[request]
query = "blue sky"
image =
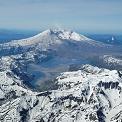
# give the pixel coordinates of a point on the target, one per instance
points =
(85, 15)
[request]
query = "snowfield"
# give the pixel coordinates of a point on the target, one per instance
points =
(87, 95)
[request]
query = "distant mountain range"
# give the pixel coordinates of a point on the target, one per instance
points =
(115, 39)
(8, 35)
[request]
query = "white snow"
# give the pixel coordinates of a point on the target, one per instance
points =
(111, 59)
(50, 37)
(77, 98)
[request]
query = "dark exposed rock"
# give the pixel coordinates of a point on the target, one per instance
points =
(24, 115)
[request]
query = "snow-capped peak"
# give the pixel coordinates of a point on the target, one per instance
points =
(69, 35)
(50, 35)
(51, 39)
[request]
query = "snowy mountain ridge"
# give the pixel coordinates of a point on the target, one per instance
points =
(111, 59)
(88, 95)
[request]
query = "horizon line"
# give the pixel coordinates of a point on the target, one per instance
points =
(77, 30)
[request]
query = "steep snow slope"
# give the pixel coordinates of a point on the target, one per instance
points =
(87, 95)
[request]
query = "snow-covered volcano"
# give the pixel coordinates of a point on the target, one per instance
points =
(51, 39)
(50, 36)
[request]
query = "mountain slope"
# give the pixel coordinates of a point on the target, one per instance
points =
(48, 35)
(50, 39)
(46, 55)
(48, 61)
(90, 94)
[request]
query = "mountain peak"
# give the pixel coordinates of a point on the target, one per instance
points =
(50, 38)
(48, 35)
(68, 34)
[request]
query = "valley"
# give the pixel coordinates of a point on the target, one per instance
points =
(60, 76)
